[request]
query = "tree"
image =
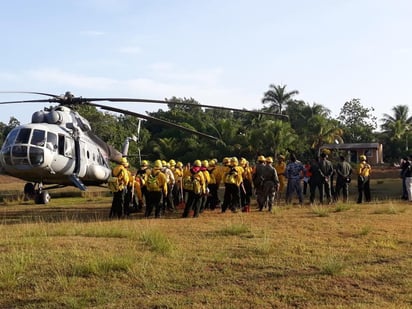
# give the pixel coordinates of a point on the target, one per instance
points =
(277, 97)
(357, 122)
(398, 125)
(326, 131)
(396, 131)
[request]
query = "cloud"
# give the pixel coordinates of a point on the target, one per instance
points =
(59, 77)
(204, 86)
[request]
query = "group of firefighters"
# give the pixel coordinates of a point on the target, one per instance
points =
(164, 186)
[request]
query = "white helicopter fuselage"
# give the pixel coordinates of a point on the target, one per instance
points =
(44, 152)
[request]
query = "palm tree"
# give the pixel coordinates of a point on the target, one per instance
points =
(325, 131)
(278, 97)
(399, 125)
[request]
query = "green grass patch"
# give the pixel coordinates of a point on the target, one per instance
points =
(234, 229)
(320, 211)
(157, 242)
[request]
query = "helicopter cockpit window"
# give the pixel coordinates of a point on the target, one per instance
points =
(52, 140)
(10, 138)
(38, 137)
(23, 137)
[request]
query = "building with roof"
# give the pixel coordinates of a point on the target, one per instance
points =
(352, 151)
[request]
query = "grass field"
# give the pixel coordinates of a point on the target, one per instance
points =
(69, 255)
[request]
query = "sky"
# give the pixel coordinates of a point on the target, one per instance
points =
(218, 52)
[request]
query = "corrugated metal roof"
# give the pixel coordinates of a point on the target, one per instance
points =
(351, 146)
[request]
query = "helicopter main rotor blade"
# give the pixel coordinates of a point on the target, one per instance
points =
(32, 92)
(69, 99)
(152, 119)
(30, 101)
(184, 103)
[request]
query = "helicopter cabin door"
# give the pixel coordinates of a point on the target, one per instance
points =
(81, 158)
(70, 154)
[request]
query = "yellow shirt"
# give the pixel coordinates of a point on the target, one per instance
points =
(122, 174)
(364, 169)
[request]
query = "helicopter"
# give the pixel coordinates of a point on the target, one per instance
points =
(58, 148)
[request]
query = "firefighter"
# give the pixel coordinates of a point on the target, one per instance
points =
(246, 186)
(206, 176)
(156, 186)
(142, 174)
(280, 167)
(120, 172)
(232, 179)
(194, 183)
(213, 185)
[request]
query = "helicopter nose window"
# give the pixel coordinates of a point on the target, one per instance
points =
(10, 138)
(23, 137)
(38, 137)
(36, 156)
(19, 155)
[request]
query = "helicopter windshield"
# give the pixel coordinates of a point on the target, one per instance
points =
(38, 138)
(10, 138)
(18, 151)
(23, 137)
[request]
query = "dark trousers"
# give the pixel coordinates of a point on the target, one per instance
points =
(231, 198)
(153, 201)
(213, 197)
(364, 189)
(342, 185)
(193, 202)
(245, 192)
(313, 185)
(294, 185)
(117, 204)
(168, 202)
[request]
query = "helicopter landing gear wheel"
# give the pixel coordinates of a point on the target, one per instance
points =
(42, 197)
(29, 191)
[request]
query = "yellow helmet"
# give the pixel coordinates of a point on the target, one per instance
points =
(145, 163)
(212, 162)
(197, 163)
(124, 162)
(225, 160)
(205, 163)
(362, 157)
(234, 161)
(158, 164)
(172, 162)
(269, 159)
(179, 164)
(243, 161)
(281, 157)
(261, 158)
(164, 163)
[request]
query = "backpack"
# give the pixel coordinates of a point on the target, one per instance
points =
(231, 176)
(197, 186)
(212, 180)
(192, 183)
(188, 183)
(152, 184)
(113, 184)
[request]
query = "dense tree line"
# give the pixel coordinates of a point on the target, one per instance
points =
(243, 134)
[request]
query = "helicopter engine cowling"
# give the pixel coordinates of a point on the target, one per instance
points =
(98, 172)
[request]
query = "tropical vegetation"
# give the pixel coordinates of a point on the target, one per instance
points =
(300, 127)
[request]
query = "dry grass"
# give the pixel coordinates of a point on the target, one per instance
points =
(69, 255)
(293, 258)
